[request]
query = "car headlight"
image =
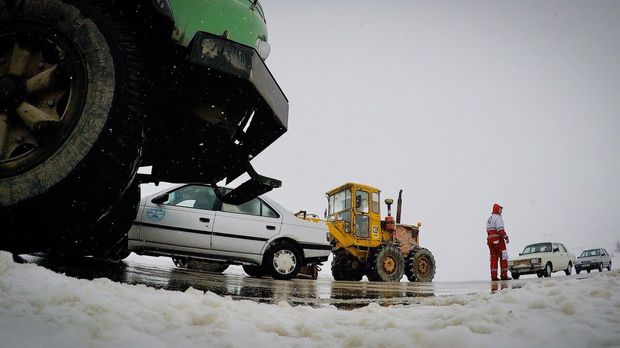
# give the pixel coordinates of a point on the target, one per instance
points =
(511, 263)
(535, 261)
(263, 48)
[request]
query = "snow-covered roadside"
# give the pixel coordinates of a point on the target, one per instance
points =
(41, 308)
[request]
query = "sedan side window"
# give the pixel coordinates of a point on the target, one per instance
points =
(192, 196)
(254, 207)
(249, 208)
(266, 211)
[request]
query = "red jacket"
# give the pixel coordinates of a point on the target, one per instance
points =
(495, 224)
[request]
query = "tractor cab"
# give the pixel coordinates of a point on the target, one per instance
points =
(357, 208)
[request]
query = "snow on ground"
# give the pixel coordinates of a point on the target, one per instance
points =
(41, 308)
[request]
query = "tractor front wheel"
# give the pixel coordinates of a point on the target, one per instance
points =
(347, 267)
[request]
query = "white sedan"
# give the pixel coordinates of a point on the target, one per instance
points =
(593, 259)
(190, 224)
(542, 259)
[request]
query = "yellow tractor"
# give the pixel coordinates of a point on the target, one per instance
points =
(363, 244)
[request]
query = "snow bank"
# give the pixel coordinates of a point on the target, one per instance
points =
(42, 308)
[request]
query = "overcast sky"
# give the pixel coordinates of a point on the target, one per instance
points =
(460, 104)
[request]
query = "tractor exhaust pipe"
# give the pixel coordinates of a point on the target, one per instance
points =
(399, 205)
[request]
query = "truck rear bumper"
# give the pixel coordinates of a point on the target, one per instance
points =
(242, 62)
(221, 108)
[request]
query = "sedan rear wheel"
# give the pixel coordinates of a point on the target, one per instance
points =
(254, 271)
(600, 267)
(609, 266)
(180, 262)
(515, 275)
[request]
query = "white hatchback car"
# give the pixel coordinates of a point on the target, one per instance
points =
(542, 259)
(190, 224)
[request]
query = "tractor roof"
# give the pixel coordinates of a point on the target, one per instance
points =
(352, 185)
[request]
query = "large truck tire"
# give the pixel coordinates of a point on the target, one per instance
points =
(109, 236)
(72, 92)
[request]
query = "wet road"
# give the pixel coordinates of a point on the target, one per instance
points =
(316, 293)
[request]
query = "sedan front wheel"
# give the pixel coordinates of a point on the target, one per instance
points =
(569, 269)
(548, 270)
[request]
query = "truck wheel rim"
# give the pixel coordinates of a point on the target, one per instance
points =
(42, 92)
(284, 261)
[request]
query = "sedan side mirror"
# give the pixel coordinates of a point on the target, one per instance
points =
(520, 254)
(160, 199)
(556, 250)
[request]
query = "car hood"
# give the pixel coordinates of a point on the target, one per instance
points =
(530, 256)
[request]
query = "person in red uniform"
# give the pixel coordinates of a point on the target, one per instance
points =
(497, 240)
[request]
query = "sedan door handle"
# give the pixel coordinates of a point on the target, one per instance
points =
(270, 227)
(205, 219)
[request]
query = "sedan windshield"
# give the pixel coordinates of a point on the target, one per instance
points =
(588, 253)
(537, 248)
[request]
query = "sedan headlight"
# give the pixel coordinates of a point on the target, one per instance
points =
(536, 261)
(511, 263)
(263, 48)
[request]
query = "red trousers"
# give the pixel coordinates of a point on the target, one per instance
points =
(497, 249)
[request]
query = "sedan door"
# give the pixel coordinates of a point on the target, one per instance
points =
(245, 228)
(562, 256)
(182, 221)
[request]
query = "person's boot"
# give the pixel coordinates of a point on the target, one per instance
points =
(494, 278)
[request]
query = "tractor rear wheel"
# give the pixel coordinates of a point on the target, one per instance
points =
(347, 267)
(420, 265)
(386, 264)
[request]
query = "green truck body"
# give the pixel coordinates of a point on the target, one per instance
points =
(91, 90)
